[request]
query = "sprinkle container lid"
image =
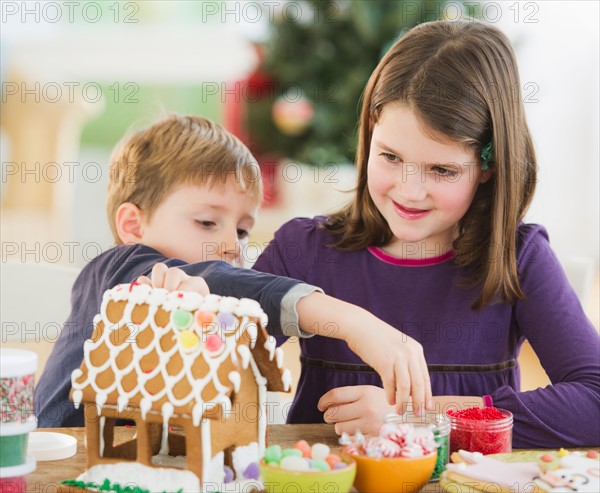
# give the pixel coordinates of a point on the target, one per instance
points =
(20, 470)
(17, 428)
(17, 362)
(45, 445)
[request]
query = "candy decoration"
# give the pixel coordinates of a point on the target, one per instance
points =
(592, 454)
(332, 460)
(302, 457)
(273, 454)
(546, 458)
(320, 465)
(320, 451)
(252, 472)
(228, 474)
(181, 319)
(226, 321)
(304, 447)
(414, 443)
(204, 318)
(213, 343)
(188, 340)
(291, 452)
(294, 463)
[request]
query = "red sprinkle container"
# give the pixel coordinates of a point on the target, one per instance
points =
(485, 430)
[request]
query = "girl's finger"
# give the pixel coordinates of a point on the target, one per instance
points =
(341, 413)
(159, 272)
(417, 388)
(144, 280)
(390, 383)
(427, 380)
(337, 396)
(402, 388)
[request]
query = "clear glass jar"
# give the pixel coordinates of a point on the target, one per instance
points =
(440, 425)
(485, 436)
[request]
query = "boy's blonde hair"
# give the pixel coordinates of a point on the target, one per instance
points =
(146, 166)
(462, 82)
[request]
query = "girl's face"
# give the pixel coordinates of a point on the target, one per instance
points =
(421, 186)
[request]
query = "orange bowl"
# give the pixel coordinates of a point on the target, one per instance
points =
(392, 475)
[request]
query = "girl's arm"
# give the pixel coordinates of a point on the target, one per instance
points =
(566, 413)
(397, 358)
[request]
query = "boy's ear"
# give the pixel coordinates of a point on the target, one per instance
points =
(129, 223)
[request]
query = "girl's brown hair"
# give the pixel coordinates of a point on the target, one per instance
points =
(146, 166)
(461, 80)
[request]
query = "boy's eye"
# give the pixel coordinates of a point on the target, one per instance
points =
(390, 158)
(440, 170)
(242, 233)
(206, 224)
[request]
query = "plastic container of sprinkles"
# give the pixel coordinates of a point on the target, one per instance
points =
(440, 425)
(485, 430)
(12, 479)
(17, 378)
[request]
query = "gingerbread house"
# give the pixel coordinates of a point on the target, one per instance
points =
(192, 372)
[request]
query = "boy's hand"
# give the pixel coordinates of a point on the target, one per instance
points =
(358, 407)
(174, 279)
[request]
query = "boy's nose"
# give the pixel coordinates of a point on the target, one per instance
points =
(231, 248)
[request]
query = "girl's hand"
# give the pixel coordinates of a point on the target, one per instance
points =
(359, 407)
(397, 358)
(174, 279)
(399, 361)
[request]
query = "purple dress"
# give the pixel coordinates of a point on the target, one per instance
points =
(468, 352)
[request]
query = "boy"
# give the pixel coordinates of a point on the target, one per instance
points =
(185, 193)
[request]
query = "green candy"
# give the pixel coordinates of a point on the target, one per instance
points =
(291, 451)
(181, 319)
(320, 465)
(273, 454)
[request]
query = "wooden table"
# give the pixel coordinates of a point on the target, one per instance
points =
(48, 474)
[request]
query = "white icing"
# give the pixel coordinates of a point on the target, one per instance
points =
(279, 357)
(244, 353)
(77, 396)
(167, 412)
(235, 379)
(286, 379)
(271, 345)
(154, 479)
(122, 403)
(101, 441)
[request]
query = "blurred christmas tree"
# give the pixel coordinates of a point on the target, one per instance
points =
(315, 67)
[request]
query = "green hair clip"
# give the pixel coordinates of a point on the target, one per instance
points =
(487, 156)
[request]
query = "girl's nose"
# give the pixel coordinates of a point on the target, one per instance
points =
(411, 183)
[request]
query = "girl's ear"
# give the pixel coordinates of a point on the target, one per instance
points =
(486, 175)
(129, 223)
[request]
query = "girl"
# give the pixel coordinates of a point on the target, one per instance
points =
(433, 244)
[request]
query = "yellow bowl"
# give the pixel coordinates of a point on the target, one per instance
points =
(392, 475)
(278, 480)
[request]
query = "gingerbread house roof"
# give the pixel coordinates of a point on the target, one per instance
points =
(175, 352)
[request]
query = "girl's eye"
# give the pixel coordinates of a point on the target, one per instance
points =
(390, 158)
(206, 224)
(242, 233)
(441, 171)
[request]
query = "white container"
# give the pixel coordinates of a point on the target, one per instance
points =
(17, 379)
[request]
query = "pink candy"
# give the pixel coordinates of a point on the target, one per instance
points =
(394, 440)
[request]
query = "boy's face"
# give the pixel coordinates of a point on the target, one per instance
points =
(197, 223)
